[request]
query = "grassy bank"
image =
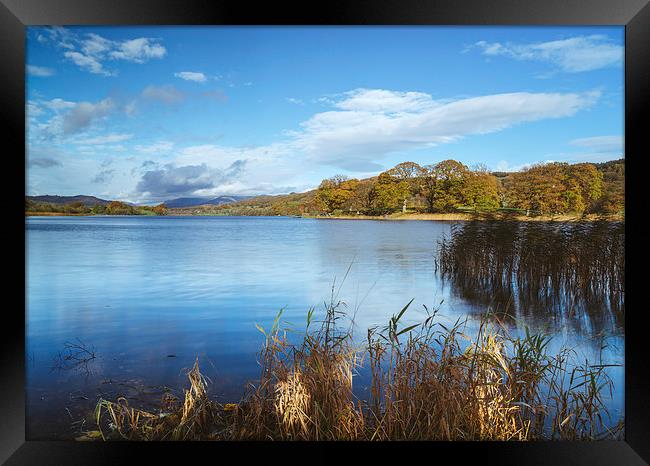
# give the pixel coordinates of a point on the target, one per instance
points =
(428, 382)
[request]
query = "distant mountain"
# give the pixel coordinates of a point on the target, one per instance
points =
(87, 200)
(194, 201)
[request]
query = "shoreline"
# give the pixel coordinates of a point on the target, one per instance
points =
(477, 216)
(450, 217)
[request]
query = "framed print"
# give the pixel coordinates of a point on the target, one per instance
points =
(378, 226)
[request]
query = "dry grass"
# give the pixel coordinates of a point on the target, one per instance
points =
(428, 382)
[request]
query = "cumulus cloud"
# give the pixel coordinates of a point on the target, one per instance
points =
(173, 180)
(167, 94)
(572, 55)
(39, 71)
(371, 123)
(91, 51)
(138, 50)
(83, 114)
(191, 76)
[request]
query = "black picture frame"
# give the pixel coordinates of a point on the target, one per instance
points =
(16, 14)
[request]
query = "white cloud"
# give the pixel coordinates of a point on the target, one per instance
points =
(106, 139)
(601, 143)
(57, 105)
(160, 147)
(95, 45)
(373, 123)
(573, 55)
(380, 100)
(191, 76)
(292, 100)
(91, 51)
(504, 166)
(138, 50)
(88, 63)
(39, 71)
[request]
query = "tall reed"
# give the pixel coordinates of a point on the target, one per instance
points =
(427, 382)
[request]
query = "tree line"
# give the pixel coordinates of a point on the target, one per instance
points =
(79, 208)
(450, 186)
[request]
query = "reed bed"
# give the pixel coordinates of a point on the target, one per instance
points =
(574, 270)
(428, 382)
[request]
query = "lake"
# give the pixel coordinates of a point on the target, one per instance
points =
(148, 295)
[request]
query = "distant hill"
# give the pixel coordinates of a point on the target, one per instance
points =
(195, 201)
(86, 200)
(265, 205)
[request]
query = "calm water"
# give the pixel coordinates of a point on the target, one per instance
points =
(150, 294)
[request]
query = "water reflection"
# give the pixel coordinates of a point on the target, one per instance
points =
(572, 273)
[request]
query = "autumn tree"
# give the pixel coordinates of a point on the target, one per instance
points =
(612, 200)
(160, 209)
(442, 185)
(119, 208)
(390, 193)
(584, 186)
(480, 191)
(410, 173)
(335, 192)
(364, 195)
(539, 188)
(555, 188)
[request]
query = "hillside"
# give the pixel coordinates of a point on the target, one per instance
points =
(61, 200)
(195, 201)
(283, 204)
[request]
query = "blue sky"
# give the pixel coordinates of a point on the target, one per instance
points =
(145, 114)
